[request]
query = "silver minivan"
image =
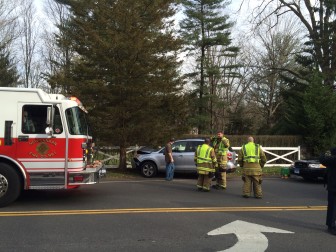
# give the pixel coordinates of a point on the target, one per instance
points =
(151, 162)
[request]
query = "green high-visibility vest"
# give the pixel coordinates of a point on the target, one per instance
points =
(222, 150)
(251, 152)
(203, 154)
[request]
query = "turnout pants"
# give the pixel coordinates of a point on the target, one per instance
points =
(221, 171)
(203, 182)
(252, 181)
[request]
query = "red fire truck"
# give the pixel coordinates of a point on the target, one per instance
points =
(45, 143)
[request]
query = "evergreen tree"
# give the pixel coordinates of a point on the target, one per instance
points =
(8, 73)
(310, 103)
(126, 69)
(206, 30)
(309, 106)
(310, 112)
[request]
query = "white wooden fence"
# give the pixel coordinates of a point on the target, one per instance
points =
(115, 157)
(279, 157)
(276, 159)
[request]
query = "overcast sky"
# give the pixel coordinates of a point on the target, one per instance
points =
(233, 8)
(237, 11)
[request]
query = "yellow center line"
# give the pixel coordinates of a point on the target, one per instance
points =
(163, 210)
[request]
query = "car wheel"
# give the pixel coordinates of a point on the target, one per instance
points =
(148, 169)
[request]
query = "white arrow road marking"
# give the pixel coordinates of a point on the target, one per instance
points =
(250, 237)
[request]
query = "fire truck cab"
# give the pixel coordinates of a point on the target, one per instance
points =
(45, 143)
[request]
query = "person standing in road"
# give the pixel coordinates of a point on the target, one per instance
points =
(170, 167)
(221, 145)
(329, 160)
(252, 159)
(205, 160)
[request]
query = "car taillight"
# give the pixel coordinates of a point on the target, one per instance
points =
(229, 156)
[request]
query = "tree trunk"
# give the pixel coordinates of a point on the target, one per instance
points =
(122, 158)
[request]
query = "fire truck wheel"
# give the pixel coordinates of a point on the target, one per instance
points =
(10, 184)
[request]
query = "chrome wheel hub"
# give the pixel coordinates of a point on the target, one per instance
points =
(3, 185)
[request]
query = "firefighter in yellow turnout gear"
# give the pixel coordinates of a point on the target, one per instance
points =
(205, 160)
(221, 145)
(252, 159)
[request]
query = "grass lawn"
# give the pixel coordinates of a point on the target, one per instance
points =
(116, 174)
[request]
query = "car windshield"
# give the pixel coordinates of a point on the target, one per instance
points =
(77, 122)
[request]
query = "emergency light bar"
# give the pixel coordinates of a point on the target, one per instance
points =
(80, 104)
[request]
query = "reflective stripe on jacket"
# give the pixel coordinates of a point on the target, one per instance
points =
(251, 152)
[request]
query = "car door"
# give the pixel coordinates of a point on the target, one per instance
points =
(189, 155)
(179, 148)
(183, 153)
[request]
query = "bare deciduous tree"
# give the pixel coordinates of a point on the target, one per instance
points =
(57, 59)
(8, 22)
(319, 19)
(29, 37)
(274, 55)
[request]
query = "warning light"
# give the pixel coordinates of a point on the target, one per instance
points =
(80, 104)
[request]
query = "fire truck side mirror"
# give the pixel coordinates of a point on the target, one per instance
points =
(49, 131)
(49, 122)
(49, 116)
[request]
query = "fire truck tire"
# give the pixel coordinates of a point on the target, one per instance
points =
(10, 184)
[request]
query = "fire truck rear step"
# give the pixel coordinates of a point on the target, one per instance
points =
(47, 187)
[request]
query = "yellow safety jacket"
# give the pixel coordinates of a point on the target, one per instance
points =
(251, 152)
(222, 150)
(203, 159)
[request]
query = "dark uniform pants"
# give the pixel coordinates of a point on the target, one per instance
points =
(252, 181)
(331, 211)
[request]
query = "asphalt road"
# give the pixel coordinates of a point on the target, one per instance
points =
(156, 215)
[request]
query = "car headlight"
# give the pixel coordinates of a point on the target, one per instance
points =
(314, 165)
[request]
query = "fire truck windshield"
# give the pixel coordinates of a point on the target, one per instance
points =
(77, 123)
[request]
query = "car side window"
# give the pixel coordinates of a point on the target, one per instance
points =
(192, 145)
(179, 146)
